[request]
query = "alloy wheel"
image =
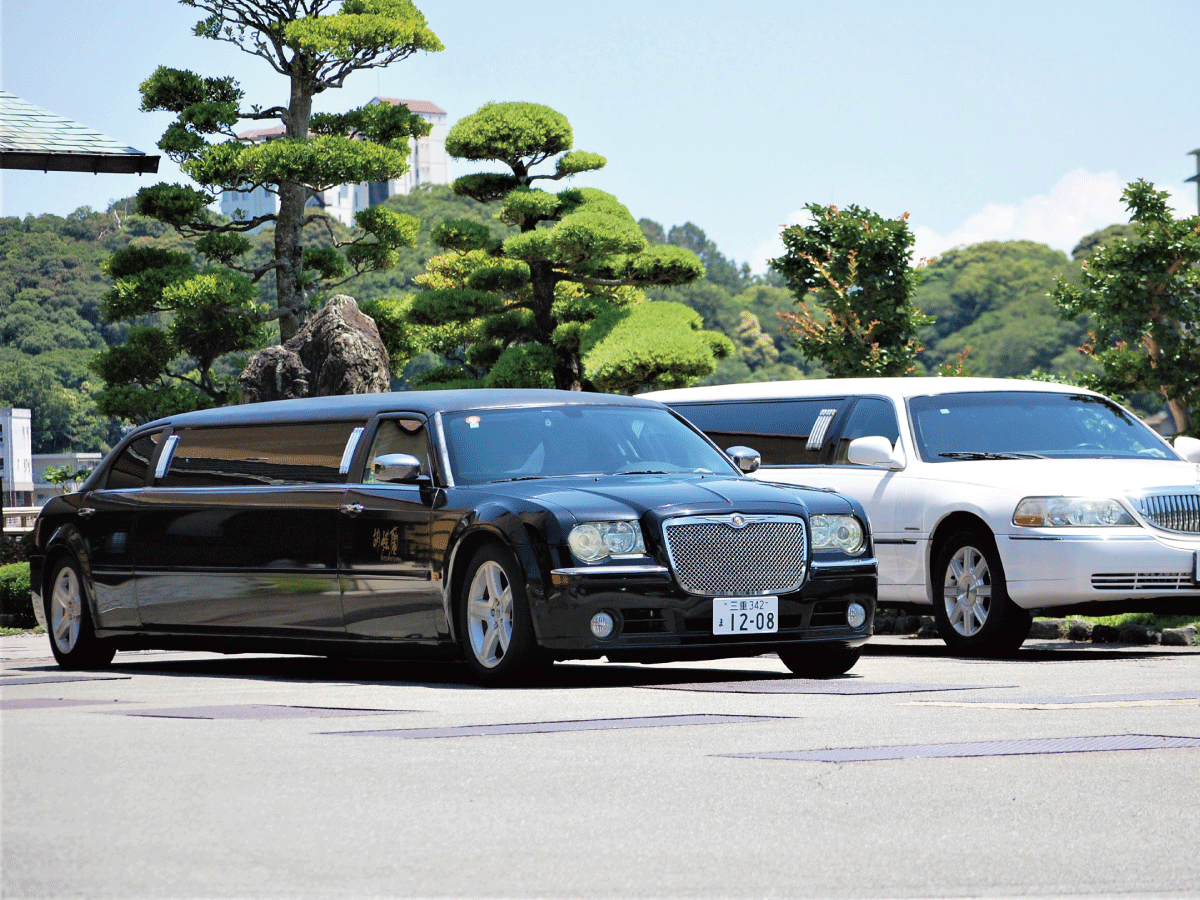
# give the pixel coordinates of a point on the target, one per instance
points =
(967, 592)
(66, 609)
(490, 614)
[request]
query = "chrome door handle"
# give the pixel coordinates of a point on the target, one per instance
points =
(352, 509)
(86, 512)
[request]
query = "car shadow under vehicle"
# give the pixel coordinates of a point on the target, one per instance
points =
(450, 675)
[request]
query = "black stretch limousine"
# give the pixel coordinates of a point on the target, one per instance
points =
(509, 528)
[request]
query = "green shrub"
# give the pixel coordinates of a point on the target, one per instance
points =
(16, 604)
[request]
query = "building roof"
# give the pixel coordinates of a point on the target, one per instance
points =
(34, 138)
(416, 106)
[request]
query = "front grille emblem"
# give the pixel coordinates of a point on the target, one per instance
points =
(737, 521)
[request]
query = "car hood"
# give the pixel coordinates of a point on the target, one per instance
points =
(587, 498)
(1068, 477)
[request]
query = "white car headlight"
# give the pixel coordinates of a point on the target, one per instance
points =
(594, 541)
(843, 533)
(1069, 512)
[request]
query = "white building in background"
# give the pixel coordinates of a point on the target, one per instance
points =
(43, 490)
(16, 457)
(16, 469)
(428, 164)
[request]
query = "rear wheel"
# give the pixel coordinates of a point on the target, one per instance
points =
(69, 621)
(974, 614)
(496, 630)
(820, 660)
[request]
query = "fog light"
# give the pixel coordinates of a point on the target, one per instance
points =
(856, 615)
(603, 624)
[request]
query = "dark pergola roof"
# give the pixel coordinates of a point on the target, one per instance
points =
(33, 138)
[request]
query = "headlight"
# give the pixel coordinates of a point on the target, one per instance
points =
(1050, 512)
(843, 533)
(593, 541)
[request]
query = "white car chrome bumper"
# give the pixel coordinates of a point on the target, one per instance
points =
(1046, 570)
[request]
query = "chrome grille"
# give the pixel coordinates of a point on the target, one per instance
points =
(1178, 512)
(737, 555)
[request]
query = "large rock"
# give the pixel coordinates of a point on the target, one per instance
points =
(273, 373)
(1047, 629)
(1179, 637)
(337, 351)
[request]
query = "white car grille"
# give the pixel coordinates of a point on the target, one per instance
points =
(736, 555)
(1143, 581)
(1179, 512)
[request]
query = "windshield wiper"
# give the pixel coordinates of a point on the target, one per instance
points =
(983, 454)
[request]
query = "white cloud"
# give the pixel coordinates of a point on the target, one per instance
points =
(1080, 203)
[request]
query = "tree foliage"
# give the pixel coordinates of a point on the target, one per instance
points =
(208, 304)
(1143, 296)
(857, 266)
(63, 413)
(991, 304)
(557, 303)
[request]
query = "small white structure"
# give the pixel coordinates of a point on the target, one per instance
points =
(428, 164)
(16, 456)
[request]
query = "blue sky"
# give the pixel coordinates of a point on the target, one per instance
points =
(982, 121)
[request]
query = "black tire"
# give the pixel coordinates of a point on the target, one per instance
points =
(974, 614)
(495, 626)
(820, 660)
(73, 638)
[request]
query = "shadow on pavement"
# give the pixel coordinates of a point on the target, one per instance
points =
(448, 675)
(1047, 651)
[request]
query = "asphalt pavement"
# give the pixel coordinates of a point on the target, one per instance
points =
(1069, 771)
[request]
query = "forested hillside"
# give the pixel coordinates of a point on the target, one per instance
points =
(989, 298)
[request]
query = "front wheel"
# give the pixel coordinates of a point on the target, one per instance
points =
(974, 614)
(73, 638)
(496, 630)
(820, 660)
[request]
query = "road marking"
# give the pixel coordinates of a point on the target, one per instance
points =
(573, 725)
(846, 686)
(1030, 747)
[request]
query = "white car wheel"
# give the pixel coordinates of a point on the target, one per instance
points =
(968, 591)
(975, 616)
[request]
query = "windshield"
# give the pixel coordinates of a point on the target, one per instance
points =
(1029, 424)
(544, 442)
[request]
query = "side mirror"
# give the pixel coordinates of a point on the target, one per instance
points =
(875, 451)
(745, 459)
(1188, 448)
(396, 468)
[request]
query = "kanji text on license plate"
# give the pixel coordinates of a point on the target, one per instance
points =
(745, 615)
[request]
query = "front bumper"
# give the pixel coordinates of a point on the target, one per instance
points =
(657, 619)
(1045, 569)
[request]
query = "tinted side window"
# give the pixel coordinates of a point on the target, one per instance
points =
(784, 432)
(302, 453)
(870, 416)
(129, 469)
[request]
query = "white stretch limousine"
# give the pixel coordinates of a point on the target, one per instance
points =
(988, 498)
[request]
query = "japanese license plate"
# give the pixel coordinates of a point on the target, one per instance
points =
(745, 615)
